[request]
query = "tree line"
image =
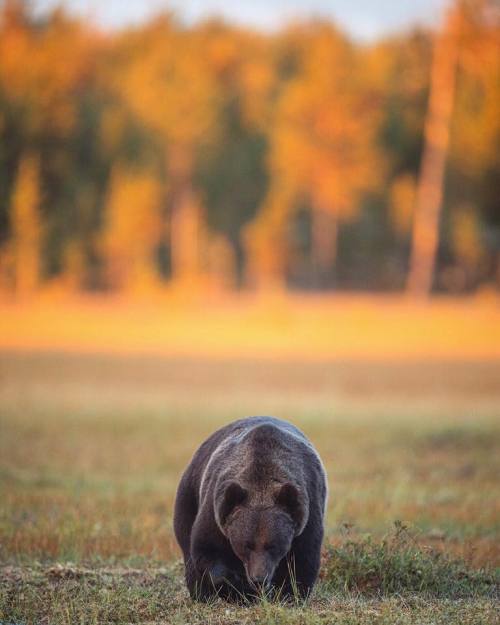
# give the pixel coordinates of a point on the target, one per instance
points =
(218, 156)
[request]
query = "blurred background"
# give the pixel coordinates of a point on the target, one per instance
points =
(143, 149)
(211, 210)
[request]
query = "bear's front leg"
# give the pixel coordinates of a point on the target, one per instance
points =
(210, 576)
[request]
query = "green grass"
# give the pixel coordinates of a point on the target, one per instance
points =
(92, 448)
(362, 582)
(397, 565)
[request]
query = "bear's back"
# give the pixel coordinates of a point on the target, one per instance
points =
(250, 432)
(256, 450)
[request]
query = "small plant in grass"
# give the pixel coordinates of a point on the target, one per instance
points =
(397, 565)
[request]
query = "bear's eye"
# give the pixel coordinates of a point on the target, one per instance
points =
(250, 546)
(268, 547)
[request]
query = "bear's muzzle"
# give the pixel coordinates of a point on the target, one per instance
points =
(259, 570)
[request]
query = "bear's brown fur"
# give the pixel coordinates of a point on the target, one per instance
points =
(249, 511)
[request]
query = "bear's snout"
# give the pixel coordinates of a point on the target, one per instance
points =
(259, 569)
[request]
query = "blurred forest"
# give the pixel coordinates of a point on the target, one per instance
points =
(217, 157)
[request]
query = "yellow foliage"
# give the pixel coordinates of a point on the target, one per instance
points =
(169, 85)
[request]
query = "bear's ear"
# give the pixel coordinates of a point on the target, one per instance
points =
(233, 495)
(292, 500)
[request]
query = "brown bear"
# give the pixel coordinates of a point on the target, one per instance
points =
(249, 512)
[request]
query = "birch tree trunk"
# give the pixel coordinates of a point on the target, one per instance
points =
(429, 196)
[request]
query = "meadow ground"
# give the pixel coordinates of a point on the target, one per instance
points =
(92, 447)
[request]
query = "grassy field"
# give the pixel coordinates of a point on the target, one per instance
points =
(92, 447)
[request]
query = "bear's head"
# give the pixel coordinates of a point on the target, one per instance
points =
(261, 535)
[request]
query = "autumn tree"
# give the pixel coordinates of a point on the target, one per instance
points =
(473, 216)
(400, 66)
(44, 74)
(166, 82)
(322, 152)
(232, 173)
